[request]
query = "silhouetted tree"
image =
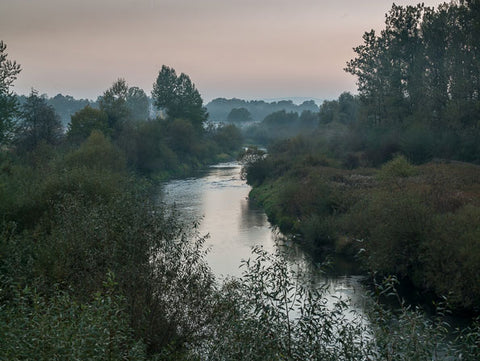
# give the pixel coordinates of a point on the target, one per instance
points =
(424, 66)
(178, 96)
(343, 110)
(8, 102)
(85, 121)
(114, 104)
(39, 123)
(228, 137)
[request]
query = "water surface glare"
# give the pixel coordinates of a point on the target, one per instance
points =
(234, 224)
(218, 198)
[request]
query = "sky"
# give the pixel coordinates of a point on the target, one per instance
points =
(248, 49)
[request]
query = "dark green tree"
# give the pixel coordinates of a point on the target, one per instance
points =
(228, 137)
(181, 137)
(39, 123)
(114, 104)
(85, 121)
(343, 110)
(308, 120)
(8, 102)
(178, 96)
(390, 66)
(423, 67)
(329, 111)
(281, 118)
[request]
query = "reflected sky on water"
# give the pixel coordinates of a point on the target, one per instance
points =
(218, 198)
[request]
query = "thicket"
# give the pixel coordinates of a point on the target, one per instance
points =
(89, 265)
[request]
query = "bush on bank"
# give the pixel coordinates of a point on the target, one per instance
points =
(420, 223)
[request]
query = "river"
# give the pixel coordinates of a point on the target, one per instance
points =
(218, 198)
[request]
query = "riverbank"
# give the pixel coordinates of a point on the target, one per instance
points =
(420, 223)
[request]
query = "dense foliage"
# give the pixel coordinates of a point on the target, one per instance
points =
(91, 267)
(39, 123)
(418, 222)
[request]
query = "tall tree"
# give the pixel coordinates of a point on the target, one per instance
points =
(390, 66)
(85, 121)
(114, 103)
(39, 123)
(178, 96)
(8, 102)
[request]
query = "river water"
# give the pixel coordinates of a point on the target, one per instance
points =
(218, 198)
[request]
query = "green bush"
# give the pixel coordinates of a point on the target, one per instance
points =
(96, 152)
(398, 226)
(393, 171)
(33, 327)
(455, 238)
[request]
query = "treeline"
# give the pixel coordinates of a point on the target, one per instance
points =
(418, 84)
(423, 67)
(65, 105)
(172, 145)
(420, 75)
(280, 125)
(387, 174)
(240, 111)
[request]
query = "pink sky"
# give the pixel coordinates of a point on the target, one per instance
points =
(249, 49)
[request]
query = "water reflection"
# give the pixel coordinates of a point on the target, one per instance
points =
(235, 224)
(252, 215)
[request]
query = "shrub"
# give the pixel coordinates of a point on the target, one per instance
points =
(455, 238)
(33, 327)
(96, 152)
(396, 169)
